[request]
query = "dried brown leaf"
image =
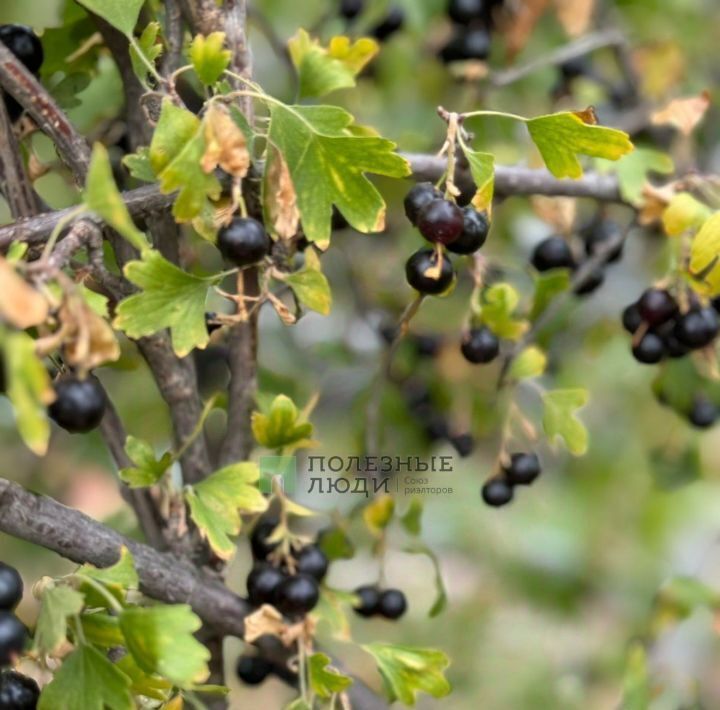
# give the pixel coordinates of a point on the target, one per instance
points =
(685, 114)
(520, 23)
(225, 143)
(560, 212)
(575, 15)
(280, 196)
(20, 304)
(654, 202)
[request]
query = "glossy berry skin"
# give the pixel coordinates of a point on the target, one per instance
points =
(259, 544)
(497, 492)
(552, 253)
(13, 637)
(656, 306)
(419, 197)
(350, 9)
(697, 328)
(475, 231)
(650, 350)
(419, 263)
(441, 221)
(79, 405)
(703, 413)
(523, 469)
(591, 283)
(392, 604)
(263, 583)
(393, 22)
(18, 692)
(244, 242)
(464, 11)
(11, 588)
(24, 44)
(673, 347)
(598, 234)
(480, 346)
(464, 444)
(369, 599)
(311, 560)
(297, 595)
(253, 670)
(467, 44)
(631, 318)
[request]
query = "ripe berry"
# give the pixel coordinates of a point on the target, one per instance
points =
(574, 68)
(253, 670)
(466, 44)
(436, 427)
(297, 595)
(419, 197)
(13, 636)
(463, 444)
(656, 306)
(591, 282)
(244, 242)
(523, 469)
(368, 600)
(427, 345)
(475, 231)
(703, 413)
(210, 325)
(18, 692)
(24, 44)
(350, 9)
(673, 347)
(263, 583)
(422, 261)
(392, 604)
(598, 234)
(79, 405)
(552, 253)
(631, 318)
(464, 11)
(480, 345)
(698, 327)
(650, 350)
(393, 22)
(497, 492)
(11, 588)
(441, 221)
(311, 560)
(259, 544)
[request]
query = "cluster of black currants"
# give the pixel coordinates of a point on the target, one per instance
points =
(472, 29)
(522, 470)
(387, 603)
(17, 692)
(26, 46)
(660, 330)
(392, 22)
(79, 405)
(444, 224)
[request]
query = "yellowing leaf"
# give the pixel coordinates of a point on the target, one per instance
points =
(378, 513)
(684, 114)
(683, 213)
(559, 418)
(498, 309)
(209, 58)
(121, 575)
(226, 146)
(561, 137)
(20, 304)
(482, 169)
(281, 427)
(705, 255)
(530, 363)
(310, 285)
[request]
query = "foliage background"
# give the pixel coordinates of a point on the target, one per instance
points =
(548, 596)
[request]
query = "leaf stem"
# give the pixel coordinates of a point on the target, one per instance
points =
(496, 114)
(100, 589)
(141, 55)
(198, 427)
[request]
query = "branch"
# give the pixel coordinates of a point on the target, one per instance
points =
(174, 35)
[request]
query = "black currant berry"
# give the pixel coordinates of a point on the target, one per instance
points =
(464, 11)
(13, 637)
(497, 492)
(552, 253)
(656, 306)
(210, 325)
(598, 234)
(575, 67)
(79, 405)
(419, 197)
(673, 347)
(259, 544)
(466, 44)
(11, 587)
(393, 22)
(368, 600)
(253, 670)
(350, 9)
(591, 282)
(480, 345)
(631, 318)
(427, 345)
(297, 595)
(441, 221)
(464, 444)
(436, 427)
(422, 261)
(263, 583)
(523, 469)
(392, 604)
(24, 44)
(244, 242)
(650, 350)
(311, 560)
(475, 231)
(18, 692)
(698, 327)
(703, 413)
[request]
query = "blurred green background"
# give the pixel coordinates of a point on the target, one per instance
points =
(551, 598)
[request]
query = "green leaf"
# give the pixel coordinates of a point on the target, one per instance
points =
(139, 165)
(379, 513)
(412, 519)
(161, 641)
(216, 503)
(497, 311)
(561, 137)
(530, 363)
(332, 610)
(176, 152)
(633, 170)
(280, 427)
(680, 596)
(705, 255)
(336, 544)
(28, 388)
(328, 165)
(312, 289)
(672, 469)
(440, 602)
(407, 670)
(66, 91)
(684, 213)
(150, 48)
(102, 196)
(559, 418)
(548, 285)
(101, 629)
(121, 575)
(636, 683)
(58, 603)
(482, 169)
(150, 686)
(171, 298)
(323, 70)
(325, 680)
(148, 468)
(121, 14)
(209, 57)
(87, 680)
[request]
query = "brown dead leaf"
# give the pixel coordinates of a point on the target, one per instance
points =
(225, 143)
(285, 314)
(654, 202)
(280, 196)
(685, 114)
(20, 304)
(518, 25)
(575, 15)
(266, 620)
(560, 212)
(588, 116)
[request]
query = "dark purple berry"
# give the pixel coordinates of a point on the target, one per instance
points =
(297, 595)
(18, 692)
(441, 221)
(465, 11)
(523, 469)
(467, 44)
(631, 318)
(392, 23)
(244, 242)
(698, 327)
(464, 444)
(392, 604)
(591, 282)
(575, 67)
(426, 344)
(311, 560)
(497, 492)
(419, 197)
(475, 231)
(210, 324)
(703, 413)
(13, 637)
(263, 582)
(650, 350)
(417, 266)
(598, 234)
(11, 588)
(253, 670)
(480, 345)
(553, 253)
(79, 405)
(350, 9)
(24, 44)
(368, 600)
(259, 544)
(656, 306)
